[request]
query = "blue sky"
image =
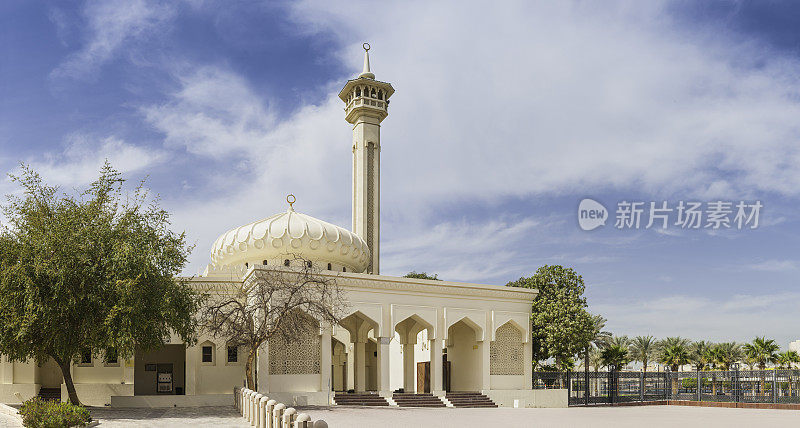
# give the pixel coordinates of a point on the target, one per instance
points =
(504, 118)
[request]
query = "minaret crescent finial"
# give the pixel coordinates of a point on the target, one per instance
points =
(366, 72)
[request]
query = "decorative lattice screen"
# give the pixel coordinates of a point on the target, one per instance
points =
(506, 355)
(301, 357)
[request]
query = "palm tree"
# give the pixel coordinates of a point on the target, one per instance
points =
(642, 349)
(674, 354)
(699, 354)
(787, 360)
(597, 337)
(762, 351)
(727, 353)
(615, 357)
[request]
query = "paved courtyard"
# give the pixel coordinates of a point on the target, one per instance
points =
(618, 417)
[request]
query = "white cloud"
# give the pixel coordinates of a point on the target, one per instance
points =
(83, 156)
(773, 266)
(109, 25)
(722, 318)
(548, 97)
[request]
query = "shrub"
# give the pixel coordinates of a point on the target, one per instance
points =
(37, 413)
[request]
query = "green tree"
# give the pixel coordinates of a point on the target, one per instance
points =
(597, 337)
(699, 354)
(560, 325)
(93, 271)
(787, 359)
(642, 349)
(726, 354)
(615, 357)
(762, 351)
(422, 275)
(673, 352)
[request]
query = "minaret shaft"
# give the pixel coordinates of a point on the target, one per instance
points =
(366, 186)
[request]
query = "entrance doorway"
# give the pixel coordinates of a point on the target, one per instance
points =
(463, 358)
(160, 372)
(50, 374)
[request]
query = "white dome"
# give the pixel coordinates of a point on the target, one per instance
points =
(277, 238)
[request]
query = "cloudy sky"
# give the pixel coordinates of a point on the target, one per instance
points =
(505, 117)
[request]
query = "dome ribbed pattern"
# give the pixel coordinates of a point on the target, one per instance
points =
(278, 237)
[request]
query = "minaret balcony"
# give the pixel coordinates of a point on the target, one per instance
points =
(366, 103)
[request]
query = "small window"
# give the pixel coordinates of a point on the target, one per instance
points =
(86, 356)
(286, 262)
(358, 92)
(329, 266)
(246, 265)
(111, 356)
(308, 263)
(208, 354)
(233, 354)
(264, 262)
(344, 269)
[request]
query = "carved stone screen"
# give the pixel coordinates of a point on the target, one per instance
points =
(506, 352)
(301, 357)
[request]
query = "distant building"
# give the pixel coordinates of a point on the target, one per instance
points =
(795, 346)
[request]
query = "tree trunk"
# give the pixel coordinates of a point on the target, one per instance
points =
(251, 384)
(65, 372)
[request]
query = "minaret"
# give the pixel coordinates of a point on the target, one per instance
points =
(366, 104)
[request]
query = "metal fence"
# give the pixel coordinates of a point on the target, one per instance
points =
(741, 386)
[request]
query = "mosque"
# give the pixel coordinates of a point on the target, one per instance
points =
(402, 342)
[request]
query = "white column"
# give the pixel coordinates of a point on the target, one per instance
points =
(325, 375)
(383, 365)
(409, 367)
(436, 366)
(262, 361)
(527, 363)
(359, 353)
(192, 361)
(485, 368)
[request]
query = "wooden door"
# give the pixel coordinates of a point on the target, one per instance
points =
(423, 377)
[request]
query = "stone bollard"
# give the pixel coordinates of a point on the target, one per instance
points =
(247, 404)
(303, 421)
(262, 412)
(268, 412)
(256, 420)
(236, 398)
(320, 424)
(277, 415)
(288, 417)
(244, 402)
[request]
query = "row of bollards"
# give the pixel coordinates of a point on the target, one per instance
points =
(262, 412)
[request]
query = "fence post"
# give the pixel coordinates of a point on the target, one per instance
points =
(775, 385)
(667, 383)
(699, 396)
(586, 386)
(736, 389)
(641, 386)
